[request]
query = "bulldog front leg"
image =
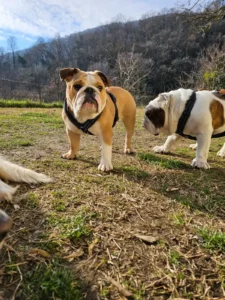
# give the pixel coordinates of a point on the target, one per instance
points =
(203, 142)
(74, 140)
(169, 144)
(106, 152)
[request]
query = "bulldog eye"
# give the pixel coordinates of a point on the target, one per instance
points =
(77, 87)
(100, 88)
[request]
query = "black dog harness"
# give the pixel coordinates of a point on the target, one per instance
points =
(90, 122)
(184, 117)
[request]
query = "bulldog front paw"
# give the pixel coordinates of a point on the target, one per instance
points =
(193, 146)
(105, 167)
(69, 155)
(200, 164)
(128, 151)
(160, 149)
(221, 153)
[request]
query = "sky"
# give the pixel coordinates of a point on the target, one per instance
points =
(27, 20)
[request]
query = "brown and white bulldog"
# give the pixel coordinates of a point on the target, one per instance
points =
(87, 98)
(207, 118)
(5, 226)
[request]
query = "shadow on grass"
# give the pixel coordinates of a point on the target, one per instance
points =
(162, 162)
(198, 189)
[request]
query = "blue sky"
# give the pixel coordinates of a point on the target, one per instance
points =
(28, 20)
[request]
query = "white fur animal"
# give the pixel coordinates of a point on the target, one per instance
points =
(13, 172)
(207, 118)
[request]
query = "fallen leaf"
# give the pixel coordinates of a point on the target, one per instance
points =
(40, 252)
(91, 246)
(147, 238)
(173, 189)
(74, 254)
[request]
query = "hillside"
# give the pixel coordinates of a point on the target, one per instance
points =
(148, 56)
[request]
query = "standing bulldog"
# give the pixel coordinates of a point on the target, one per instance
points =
(184, 112)
(93, 107)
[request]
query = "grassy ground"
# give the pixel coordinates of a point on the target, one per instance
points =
(151, 229)
(29, 103)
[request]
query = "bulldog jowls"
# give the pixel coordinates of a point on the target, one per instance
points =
(93, 107)
(206, 119)
(13, 172)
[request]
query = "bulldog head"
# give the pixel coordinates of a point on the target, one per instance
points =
(85, 92)
(156, 114)
(5, 225)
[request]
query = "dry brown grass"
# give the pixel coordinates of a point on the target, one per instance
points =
(93, 225)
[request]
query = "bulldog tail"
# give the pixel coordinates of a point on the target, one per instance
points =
(10, 171)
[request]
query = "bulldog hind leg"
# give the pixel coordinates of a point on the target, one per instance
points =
(170, 143)
(129, 124)
(74, 140)
(222, 151)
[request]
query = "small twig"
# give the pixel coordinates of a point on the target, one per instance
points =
(110, 258)
(139, 215)
(21, 279)
(11, 248)
(155, 282)
(120, 288)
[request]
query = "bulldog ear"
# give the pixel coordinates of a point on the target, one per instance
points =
(67, 73)
(165, 97)
(103, 78)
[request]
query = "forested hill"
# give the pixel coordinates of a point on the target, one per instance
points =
(148, 56)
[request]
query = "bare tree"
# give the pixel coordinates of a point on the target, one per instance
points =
(207, 12)
(2, 55)
(133, 68)
(12, 47)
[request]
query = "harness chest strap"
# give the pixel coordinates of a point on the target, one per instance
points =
(186, 114)
(90, 122)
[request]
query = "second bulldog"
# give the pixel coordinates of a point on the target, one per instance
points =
(92, 107)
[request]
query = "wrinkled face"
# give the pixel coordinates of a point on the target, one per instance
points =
(155, 114)
(85, 91)
(5, 225)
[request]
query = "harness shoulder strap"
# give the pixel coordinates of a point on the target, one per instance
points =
(185, 115)
(113, 98)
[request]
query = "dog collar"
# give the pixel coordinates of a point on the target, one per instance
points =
(184, 117)
(90, 122)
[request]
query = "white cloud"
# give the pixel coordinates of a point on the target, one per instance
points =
(2, 38)
(48, 18)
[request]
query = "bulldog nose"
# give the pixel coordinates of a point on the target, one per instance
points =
(89, 90)
(5, 224)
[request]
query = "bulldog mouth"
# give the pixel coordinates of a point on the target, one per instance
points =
(90, 100)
